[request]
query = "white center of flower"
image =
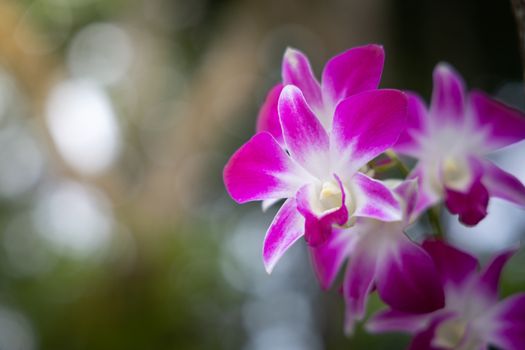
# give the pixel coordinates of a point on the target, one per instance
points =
(456, 174)
(450, 333)
(330, 196)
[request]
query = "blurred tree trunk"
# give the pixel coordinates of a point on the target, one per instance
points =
(22, 48)
(18, 44)
(519, 13)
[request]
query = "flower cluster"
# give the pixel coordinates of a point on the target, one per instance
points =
(317, 148)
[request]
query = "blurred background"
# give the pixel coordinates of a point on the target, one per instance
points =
(116, 118)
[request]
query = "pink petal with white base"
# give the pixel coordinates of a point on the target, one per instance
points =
(407, 279)
(506, 323)
(375, 200)
(397, 321)
(356, 70)
(304, 136)
(453, 265)
(358, 283)
(268, 118)
(286, 228)
(328, 258)
(504, 125)
(367, 124)
(296, 70)
(261, 169)
(503, 185)
(408, 142)
(448, 100)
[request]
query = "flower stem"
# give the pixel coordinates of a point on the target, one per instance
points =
(518, 7)
(433, 218)
(396, 162)
(384, 167)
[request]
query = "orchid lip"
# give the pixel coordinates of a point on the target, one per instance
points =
(455, 173)
(330, 196)
(334, 194)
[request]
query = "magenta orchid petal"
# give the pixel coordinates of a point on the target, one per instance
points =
(448, 100)
(356, 70)
(454, 266)
(490, 275)
(503, 185)
(408, 142)
(286, 228)
(358, 283)
(507, 324)
(504, 125)
(407, 279)
(367, 124)
(423, 340)
(328, 258)
(268, 118)
(296, 70)
(397, 321)
(261, 169)
(319, 220)
(304, 136)
(375, 200)
(470, 206)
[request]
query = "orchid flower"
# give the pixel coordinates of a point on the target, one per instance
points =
(316, 170)
(472, 317)
(355, 70)
(381, 256)
(450, 141)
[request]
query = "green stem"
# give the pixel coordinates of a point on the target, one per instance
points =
(433, 218)
(385, 167)
(398, 162)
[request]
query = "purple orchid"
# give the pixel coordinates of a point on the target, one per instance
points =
(317, 170)
(353, 71)
(381, 256)
(472, 317)
(450, 141)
